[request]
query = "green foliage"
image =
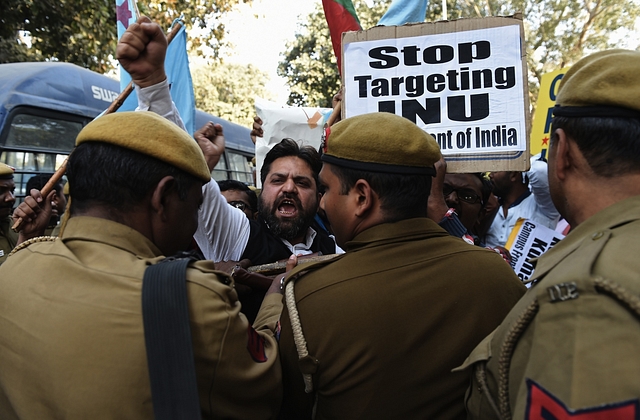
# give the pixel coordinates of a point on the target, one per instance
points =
(558, 33)
(83, 32)
(79, 31)
(229, 90)
(202, 14)
(309, 65)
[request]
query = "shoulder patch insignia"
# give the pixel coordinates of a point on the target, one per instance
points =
(542, 405)
(255, 345)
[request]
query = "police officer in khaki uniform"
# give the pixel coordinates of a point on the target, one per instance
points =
(8, 238)
(374, 333)
(72, 344)
(569, 348)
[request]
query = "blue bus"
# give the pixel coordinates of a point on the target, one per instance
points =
(43, 107)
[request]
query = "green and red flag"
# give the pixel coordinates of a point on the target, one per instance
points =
(341, 17)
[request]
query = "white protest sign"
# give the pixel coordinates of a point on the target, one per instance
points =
(529, 240)
(463, 83)
(302, 124)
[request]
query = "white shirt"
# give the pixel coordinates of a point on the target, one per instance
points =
(536, 206)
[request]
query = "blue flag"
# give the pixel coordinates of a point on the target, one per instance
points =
(176, 65)
(404, 11)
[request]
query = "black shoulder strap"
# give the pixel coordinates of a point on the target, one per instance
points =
(167, 335)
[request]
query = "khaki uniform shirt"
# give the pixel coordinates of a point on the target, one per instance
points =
(389, 320)
(8, 238)
(571, 345)
(72, 343)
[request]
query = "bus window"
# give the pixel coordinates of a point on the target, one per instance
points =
(37, 141)
(33, 162)
(40, 132)
(240, 168)
(28, 163)
(219, 173)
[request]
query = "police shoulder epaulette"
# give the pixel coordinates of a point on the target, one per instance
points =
(315, 263)
(32, 241)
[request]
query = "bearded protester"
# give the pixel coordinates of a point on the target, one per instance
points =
(287, 207)
(289, 199)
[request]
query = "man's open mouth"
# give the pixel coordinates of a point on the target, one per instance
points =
(287, 208)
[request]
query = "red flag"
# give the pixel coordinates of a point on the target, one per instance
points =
(341, 17)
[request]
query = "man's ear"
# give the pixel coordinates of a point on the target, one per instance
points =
(365, 197)
(561, 150)
(162, 195)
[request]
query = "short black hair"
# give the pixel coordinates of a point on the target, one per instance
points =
(102, 173)
(289, 147)
(233, 185)
(38, 181)
(611, 145)
(401, 196)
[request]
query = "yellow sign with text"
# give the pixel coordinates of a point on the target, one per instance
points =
(541, 127)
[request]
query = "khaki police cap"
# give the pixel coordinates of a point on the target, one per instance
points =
(6, 171)
(604, 84)
(149, 134)
(381, 142)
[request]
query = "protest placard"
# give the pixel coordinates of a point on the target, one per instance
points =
(464, 82)
(302, 124)
(541, 127)
(529, 240)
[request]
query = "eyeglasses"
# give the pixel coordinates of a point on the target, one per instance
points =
(239, 205)
(464, 194)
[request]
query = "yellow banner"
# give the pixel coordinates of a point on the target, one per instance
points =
(541, 127)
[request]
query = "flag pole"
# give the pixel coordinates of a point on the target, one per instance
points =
(115, 105)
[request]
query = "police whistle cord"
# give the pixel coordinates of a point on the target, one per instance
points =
(280, 267)
(115, 105)
(296, 327)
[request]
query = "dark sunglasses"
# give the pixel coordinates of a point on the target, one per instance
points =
(464, 194)
(239, 205)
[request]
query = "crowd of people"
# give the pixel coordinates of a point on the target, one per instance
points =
(412, 316)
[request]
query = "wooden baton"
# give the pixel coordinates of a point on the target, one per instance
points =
(55, 178)
(280, 267)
